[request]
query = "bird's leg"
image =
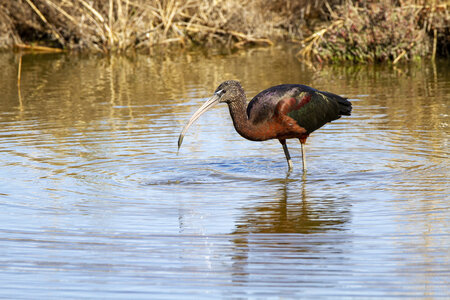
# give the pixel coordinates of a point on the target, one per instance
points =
(303, 157)
(302, 142)
(286, 152)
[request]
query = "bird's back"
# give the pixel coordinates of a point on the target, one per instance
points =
(310, 108)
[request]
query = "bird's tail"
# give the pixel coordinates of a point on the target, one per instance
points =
(345, 106)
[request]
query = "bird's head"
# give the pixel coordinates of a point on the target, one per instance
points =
(228, 92)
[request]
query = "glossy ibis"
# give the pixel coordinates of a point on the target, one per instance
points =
(281, 112)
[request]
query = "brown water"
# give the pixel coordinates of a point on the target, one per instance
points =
(95, 202)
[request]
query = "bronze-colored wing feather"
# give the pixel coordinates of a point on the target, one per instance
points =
(312, 108)
(321, 108)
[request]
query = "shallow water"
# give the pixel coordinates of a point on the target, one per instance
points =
(96, 203)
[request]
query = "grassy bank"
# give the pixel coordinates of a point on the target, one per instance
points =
(325, 30)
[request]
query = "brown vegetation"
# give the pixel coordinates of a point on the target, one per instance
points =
(118, 25)
(381, 31)
(341, 29)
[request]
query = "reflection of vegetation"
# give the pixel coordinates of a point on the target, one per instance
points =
(88, 88)
(83, 89)
(413, 96)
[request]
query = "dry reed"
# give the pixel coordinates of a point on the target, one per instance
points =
(381, 31)
(335, 30)
(119, 25)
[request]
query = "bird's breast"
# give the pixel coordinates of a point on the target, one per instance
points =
(277, 128)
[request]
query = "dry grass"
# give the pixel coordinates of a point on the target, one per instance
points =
(119, 25)
(335, 30)
(381, 31)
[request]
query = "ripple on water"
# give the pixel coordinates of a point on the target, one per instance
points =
(244, 170)
(199, 172)
(94, 202)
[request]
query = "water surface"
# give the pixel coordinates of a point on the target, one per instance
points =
(96, 203)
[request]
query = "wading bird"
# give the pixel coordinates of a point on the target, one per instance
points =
(281, 112)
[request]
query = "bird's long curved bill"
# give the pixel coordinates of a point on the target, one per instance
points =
(205, 107)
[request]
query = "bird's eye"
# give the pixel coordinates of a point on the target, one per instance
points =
(220, 92)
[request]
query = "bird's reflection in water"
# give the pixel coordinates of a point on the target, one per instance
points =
(294, 210)
(298, 225)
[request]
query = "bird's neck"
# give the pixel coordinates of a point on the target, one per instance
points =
(238, 112)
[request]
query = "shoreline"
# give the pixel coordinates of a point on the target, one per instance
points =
(328, 31)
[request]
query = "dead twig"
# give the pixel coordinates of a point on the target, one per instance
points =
(310, 41)
(240, 35)
(100, 18)
(41, 16)
(38, 48)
